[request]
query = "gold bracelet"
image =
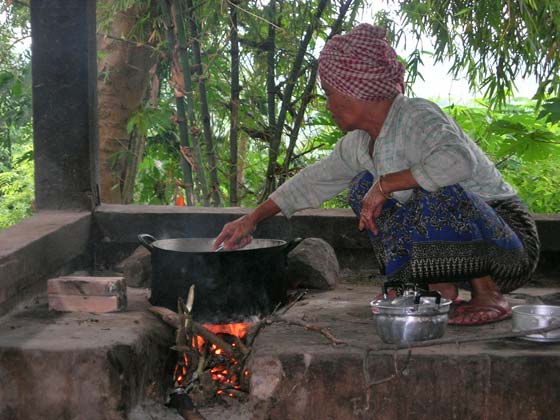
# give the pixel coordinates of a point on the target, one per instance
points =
(387, 197)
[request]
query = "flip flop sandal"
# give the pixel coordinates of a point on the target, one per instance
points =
(503, 313)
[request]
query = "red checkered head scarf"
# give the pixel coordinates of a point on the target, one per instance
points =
(361, 64)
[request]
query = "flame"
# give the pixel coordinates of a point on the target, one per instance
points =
(238, 329)
(224, 373)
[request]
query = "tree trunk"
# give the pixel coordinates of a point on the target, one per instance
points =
(234, 120)
(242, 161)
(287, 101)
(134, 157)
(182, 51)
(203, 98)
(179, 102)
(308, 93)
(271, 97)
(123, 77)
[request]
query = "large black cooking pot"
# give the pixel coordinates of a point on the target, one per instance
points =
(229, 285)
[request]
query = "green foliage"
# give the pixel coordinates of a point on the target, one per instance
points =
(151, 121)
(524, 146)
(16, 189)
(158, 174)
(156, 182)
(551, 110)
(16, 150)
(495, 42)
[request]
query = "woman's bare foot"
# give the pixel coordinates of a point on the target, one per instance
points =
(487, 305)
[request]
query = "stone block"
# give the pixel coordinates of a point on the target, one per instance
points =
(137, 269)
(313, 265)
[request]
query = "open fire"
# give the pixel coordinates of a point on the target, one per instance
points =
(213, 364)
(211, 359)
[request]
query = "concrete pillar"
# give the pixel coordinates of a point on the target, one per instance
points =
(64, 103)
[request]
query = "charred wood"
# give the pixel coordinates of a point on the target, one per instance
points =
(184, 406)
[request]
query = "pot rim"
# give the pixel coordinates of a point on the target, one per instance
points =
(384, 307)
(526, 310)
(201, 245)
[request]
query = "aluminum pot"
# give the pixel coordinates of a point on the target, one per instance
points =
(229, 285)
(413, 316)
(531, 317)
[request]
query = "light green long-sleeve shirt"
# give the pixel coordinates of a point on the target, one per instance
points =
(416, 135)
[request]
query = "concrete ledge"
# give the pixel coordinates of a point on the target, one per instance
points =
(119, 225)
(549, 231)
(38, 247)
(297, 373)
(79, 365)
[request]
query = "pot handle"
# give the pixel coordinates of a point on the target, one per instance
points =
(147, 240)
(431, 293)
(292, 244)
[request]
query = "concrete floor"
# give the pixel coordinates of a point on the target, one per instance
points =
(80, 365)
(297, 373)
(102, 366)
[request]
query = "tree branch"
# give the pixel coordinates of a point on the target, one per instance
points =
(128, 41)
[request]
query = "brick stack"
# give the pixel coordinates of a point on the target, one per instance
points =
(87, 294)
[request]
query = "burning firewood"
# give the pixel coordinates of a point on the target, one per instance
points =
(174, 319)
(213, 356)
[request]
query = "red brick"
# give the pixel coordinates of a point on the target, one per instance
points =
(93, 304)
(87, 286)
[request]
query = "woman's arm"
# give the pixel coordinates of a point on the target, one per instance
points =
(309, 188)
(381, 191)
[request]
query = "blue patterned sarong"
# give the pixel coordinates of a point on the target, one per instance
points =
(451, 235)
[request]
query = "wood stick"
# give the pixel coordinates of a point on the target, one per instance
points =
(171, 318)
(242, 347)
(166, 315)
(324, 331)
(185, 407)
(212, 338)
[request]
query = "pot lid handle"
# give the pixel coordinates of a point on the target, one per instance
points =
(398, 286)
(146, 241)
(431, 293)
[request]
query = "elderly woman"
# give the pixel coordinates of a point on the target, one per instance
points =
(435, 207)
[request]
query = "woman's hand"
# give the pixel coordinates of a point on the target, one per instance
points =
(236, 234)
(372, 204)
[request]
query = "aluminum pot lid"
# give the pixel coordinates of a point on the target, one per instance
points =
(410, 304)
(204, 245)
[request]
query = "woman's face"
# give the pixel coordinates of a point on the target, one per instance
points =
(344, 109)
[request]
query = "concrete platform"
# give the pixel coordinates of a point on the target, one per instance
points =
(81, 366)
(300, 374)
(85, 366)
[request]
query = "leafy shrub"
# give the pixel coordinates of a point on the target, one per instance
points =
(17, 189)
(525, 147)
